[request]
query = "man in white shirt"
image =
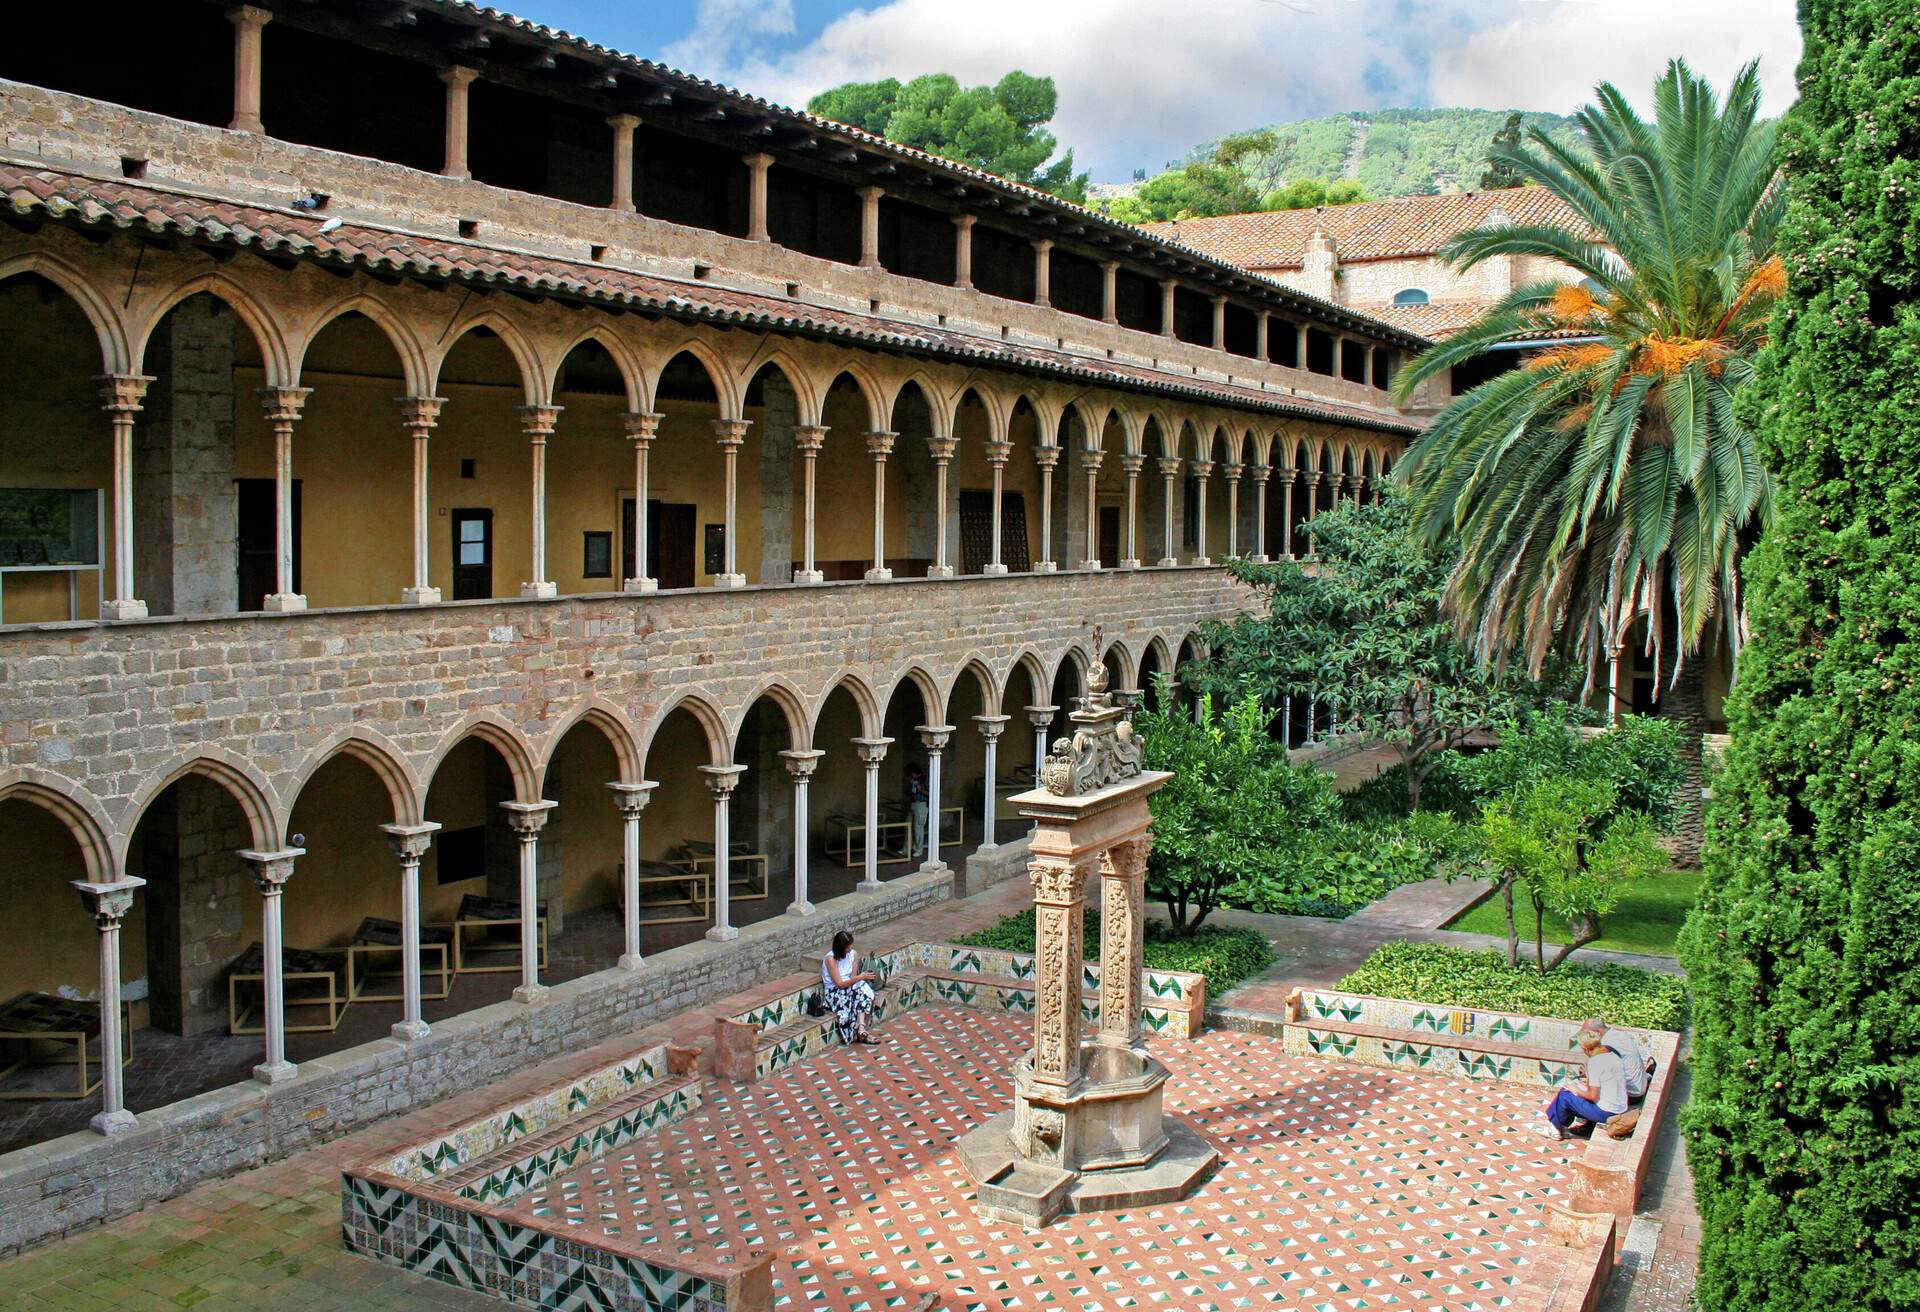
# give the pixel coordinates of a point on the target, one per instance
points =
(1633, 1055)
(1603, 1096)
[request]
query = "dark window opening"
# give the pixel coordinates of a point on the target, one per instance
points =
(1190, 514)
(1283, 343)
(915, 242)
(134, 57)
(1002, 265)
(1384, 361)
(526, 143)
(317, 91)
(1137, 301)
(596, 554)
(1243, 330)
(691, 183)
(1319, 351)
(811, 216)
(1192, 317)
(1353, 361)
(1078, 284)
(1483, 368)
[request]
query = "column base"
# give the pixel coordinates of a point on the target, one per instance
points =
(631, 961)
(879, 576)
(940, 571)
(284, 602)
(1046, 567)
(1088, 566)
(112, 1123)
(407, 1031)
(1129, 563)
(1167, 562)
(530, 993)
(723, 933)
(420, 597)
(932, 867)
(1259, 558)
(993, 567)
(808, 576)
(277, 1072)
(640, 585)
(801, 908)
(1201, 560)
(123, 610)
(540, 589)
(729, 580)
(865, 886)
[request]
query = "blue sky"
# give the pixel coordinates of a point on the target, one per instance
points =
(1142, 80)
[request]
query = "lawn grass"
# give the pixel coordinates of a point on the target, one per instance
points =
(1647, 919)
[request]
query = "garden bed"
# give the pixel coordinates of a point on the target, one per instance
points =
(1226, 955)
(1455, 977)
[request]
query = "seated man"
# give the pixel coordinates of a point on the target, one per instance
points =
(1633, 1054)
(1604, 1094)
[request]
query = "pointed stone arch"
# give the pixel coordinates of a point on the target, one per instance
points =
(267, 331)
(614, 345)
(266, 823)
(864, 699)
(719, 373)
(989, 688)
(116, 357)
(494, 730)
(809, 396)
(377, 753)
(414, 369)
(533, 375)
(612, 724)
(712, 721)
(793, 706)
(101, 856)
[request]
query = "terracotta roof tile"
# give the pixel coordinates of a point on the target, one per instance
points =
(97, 202)
(1401, 228)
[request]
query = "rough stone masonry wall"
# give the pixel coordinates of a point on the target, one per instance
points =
(110, 712)
(83, 1179)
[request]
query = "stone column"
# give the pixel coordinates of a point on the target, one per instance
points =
(997, 454)
(1058, 897)
(721, 781)
(1041, 718)
(990, 729)
(1231, 472)
(870, 225)
(1046, 457)
(1202, 469)
(801, 764)
(1261, 473)
(282, 405)
(963, 250)
(942, 449)
(121, 395)
(1261, 324)
(410, 843)
(271, 871)
(730, 434)
(1287, 474)
(1334, 483)
(1300, 346)
(1090, 463)
(418, 415)
(880, 446)
(458, 80)
(807, 440)
(934, 737)
(641, 428)
(623, 126)
(1132, 465)
(1313, 497)
(1110, 291)
(1169, 470)
(537, 422)
(1167, 286)
(632, 800)
(1313, 714)
(1286, 722)
(1219, 323)
(108, 904)
(527, 819)
(1123, 889)
(872, 751)
(1043, 272)
(247, 21)
(757, 166)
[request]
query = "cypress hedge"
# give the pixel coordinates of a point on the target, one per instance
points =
(1804, 952)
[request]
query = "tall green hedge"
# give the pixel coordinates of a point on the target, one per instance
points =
(1804, 953)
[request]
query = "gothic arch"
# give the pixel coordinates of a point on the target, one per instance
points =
(809, 398)
(864, 701)
(374, 751)
(989, 693)
(1036, 676)
(863, 380)
(709, 717)
(614, 345)
(115, 356)
(413, 359)
(503, 737)
(524, 356)
(792, 706)
(612, 723)
(266, 331)
(265, 824)
(73, 808)
(933, 697)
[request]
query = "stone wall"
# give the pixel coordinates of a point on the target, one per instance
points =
(184, 523)
(68, 1184)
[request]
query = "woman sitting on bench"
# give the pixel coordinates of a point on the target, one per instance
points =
(848, 990)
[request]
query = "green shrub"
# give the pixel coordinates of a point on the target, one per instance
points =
(1224, 954)
(1455, 977)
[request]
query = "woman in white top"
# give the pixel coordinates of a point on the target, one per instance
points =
(848, 990)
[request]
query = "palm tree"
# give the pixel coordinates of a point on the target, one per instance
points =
(1611, 477)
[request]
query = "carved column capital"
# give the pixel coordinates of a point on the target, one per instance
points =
(108, 903)
(1041, 717)
(271, 870)
(410, 842)
(1202, 468)
(802, 762)
(459, 76)
(1261, 473)
(722, 779)
(632, 799)
(991, 726)
(1057, 883)
(998, 452)
(880, 443)
(642, 426)
(282, 404)
(1046, 456)
(122, 393)
(419, 413)
(1231, 471)
(731, 432)
(1090, 461)
(934, 737)
(809, 437)
(1131, 464)
(942, 449)
(872, 751)
(537, 421)
(1170, 466)
(527, 819)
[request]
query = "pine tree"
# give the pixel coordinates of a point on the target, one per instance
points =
(1500, 172)
(1804, 953)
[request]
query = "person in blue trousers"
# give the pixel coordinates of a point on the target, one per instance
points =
(1601, 1097)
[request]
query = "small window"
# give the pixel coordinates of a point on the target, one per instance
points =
(1410, 296)
(597, 556)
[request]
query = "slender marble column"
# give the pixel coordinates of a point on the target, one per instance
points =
(721, 781)
(623, 126)
(527, 819)
(1286, 722)
(1090, 464)
(1046, 457)
(632, 800)
(807, 440)
(282, 405)
(418, 415)
(108, 904)
(990, 730)
(247, 21)
(641, 426)
(934, 737)
(800, 765)
(537, 422)
(942, 449)
(1231, 472)
(730, 434)
(1132, 465)
(122, 394)
(880, 446)
(1313, 496)
(1202, 469)
(997, 454)
(410, 843)
(1169, 470)
(1287, 475)
(271, 871)
(872, 751)
(870, 225)
(1123, 887)
(757, 166)
(1261, 473)
(1041, 718)
(455, 156)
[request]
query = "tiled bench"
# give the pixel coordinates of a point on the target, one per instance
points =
(778, 1032)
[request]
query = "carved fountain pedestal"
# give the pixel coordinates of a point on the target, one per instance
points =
(1086, 1132)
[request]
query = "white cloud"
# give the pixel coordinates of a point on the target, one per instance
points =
(1142, 81)
(725, 31)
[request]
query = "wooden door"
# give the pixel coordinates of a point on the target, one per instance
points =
(256, 542)
(1110, 536)
(472, 554)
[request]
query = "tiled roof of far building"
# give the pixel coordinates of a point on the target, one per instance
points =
(1401, 228)
(102, 204)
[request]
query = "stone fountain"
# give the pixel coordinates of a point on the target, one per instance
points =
(1087, 1132)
